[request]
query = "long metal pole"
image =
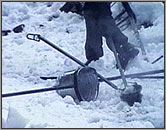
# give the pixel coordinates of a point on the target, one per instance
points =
(34, 91)
(119, 66)
(37, 37)
(137, 35)
(157, 59)
(135, 75)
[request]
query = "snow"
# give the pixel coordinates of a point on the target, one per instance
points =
(24, 61)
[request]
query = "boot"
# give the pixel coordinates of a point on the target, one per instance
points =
(131, 50)
(129, 53)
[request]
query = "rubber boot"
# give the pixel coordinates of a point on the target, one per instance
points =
(129, 53)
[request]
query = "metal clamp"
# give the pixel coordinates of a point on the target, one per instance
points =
(35, 37)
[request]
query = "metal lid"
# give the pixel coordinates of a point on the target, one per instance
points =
(86, 84)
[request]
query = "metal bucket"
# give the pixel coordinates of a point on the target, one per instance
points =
(85, 84)
(132, 96)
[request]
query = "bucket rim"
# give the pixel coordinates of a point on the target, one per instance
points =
(76, 88)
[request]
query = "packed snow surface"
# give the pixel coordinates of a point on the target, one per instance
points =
(24, 61)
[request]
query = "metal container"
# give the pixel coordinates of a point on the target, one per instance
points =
(85, 84)
(133, 95)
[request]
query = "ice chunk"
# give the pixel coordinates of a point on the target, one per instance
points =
(15, 119)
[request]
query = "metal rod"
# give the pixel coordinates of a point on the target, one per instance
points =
(74, 59)
(45, 78)
(137, 35)
(113, 3)
(119, 66)
(124, 26)
(119, 15)
(135, 75)
(88, 62)
(157, 59)
(34, 91)
(129, 10)
(62, 51)
(133, 21)
(149, 77)
(122, 21)
(114, 78)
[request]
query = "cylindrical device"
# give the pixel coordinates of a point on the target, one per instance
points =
(85, 84)
(132, 94)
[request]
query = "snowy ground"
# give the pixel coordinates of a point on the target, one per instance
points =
(24, 61)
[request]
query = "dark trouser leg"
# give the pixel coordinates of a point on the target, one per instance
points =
(93, 46)
(109, 29)
(112, 33)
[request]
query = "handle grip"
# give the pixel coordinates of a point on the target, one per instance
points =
(35, 37)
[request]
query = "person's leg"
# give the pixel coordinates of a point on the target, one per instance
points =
(67, 6)
(93, 45)
(112, 33)
(122, 59)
